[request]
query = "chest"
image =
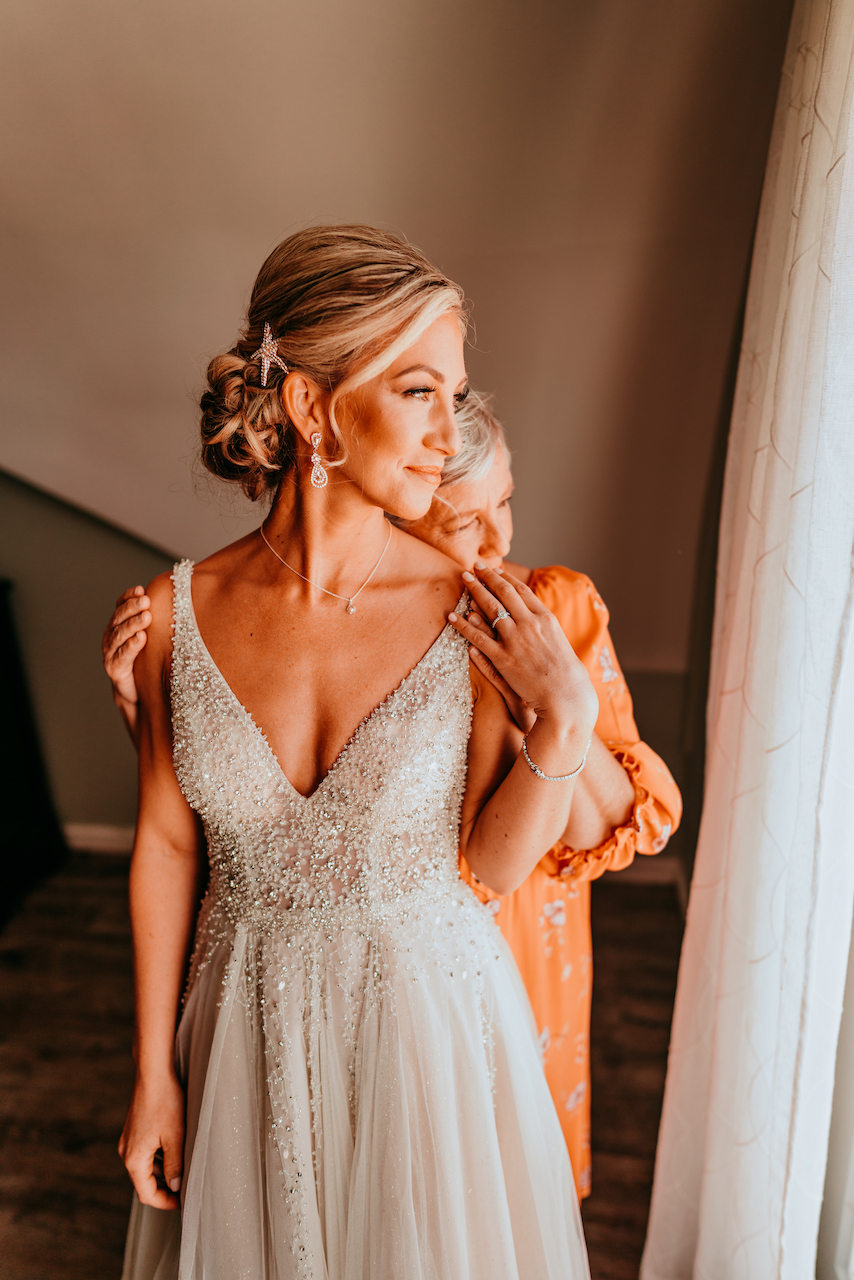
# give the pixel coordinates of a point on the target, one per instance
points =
(309, 679)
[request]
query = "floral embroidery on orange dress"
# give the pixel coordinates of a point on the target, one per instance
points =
(547, 920)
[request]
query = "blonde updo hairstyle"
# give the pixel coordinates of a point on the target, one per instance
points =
(343, 302)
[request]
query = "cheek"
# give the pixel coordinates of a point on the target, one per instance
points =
(376, 445)
(461, 547)
(464, 548)
(379, 435)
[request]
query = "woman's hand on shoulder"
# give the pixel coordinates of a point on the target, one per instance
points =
(123, 639)
(519, 710)
(525, 645)
(151, 666)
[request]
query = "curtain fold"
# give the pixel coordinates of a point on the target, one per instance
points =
(743, 1142)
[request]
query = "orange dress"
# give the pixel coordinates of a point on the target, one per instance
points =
(547, 920)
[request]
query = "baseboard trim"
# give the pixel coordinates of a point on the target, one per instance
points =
(98, 837)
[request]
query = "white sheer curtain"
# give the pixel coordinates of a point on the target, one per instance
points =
(743, 1143)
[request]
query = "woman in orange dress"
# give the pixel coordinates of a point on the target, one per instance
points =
(547, 920)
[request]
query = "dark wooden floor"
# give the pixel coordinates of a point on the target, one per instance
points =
(65, 1071)
(637, 934)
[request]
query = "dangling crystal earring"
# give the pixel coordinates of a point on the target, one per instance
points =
(319, 477)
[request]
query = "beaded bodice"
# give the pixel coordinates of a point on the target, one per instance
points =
(382, 824)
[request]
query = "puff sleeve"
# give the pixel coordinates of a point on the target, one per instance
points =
(657, 808)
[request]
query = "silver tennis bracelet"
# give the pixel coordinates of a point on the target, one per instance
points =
(564, 777)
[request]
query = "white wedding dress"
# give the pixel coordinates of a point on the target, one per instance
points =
(365, 1099)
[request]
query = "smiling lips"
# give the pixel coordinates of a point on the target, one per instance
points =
(433, 475)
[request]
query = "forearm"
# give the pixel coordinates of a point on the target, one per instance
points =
(129, 712)
(164, 885)
(526, 814)
(603, 800)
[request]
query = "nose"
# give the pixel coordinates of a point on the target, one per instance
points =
(445, 434)
(494, 541)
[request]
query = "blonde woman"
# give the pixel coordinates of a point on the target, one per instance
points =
(355, 1089)
(633, 804)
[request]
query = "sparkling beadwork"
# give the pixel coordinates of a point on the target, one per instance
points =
(317, 904)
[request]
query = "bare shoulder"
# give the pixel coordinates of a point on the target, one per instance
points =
(420, 562)
(230, 559)
(154, 657)
(159, 592)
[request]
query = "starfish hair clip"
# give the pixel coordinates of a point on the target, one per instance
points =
(269, 354)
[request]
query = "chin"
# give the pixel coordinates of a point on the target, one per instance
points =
(408, 505)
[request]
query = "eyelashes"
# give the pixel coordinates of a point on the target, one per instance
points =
(459, 398)
(461, 528)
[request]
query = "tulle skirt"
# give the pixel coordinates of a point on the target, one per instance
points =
(365, 1101)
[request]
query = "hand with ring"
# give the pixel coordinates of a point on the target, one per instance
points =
(519, 710)
(525, 645)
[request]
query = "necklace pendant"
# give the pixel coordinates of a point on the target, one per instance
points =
(351, 608)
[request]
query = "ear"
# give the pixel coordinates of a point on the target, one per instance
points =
(305, 404)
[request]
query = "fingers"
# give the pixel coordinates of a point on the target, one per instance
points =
(519, 710)
(477, 636)
(488, 669)
(120, 630)
(477, 621)
(482, 596)
(128, 608)
(155, 1174)
(525, 593)
(512, 592)
(152, 1141)
(148, 1182)
(119, 664)
(173, 1165)
(130, 629)
(129, 594)
(131, 610)
(492, 591)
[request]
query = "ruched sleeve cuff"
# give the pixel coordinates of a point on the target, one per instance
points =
(655, 815)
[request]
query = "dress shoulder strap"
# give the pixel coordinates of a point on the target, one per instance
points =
(182, 603)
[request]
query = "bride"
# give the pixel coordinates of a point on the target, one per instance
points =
(355, 1091)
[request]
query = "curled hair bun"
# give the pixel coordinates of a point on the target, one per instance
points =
(342, 303)
(243, 425)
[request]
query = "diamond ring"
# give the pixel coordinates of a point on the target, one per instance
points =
(502, 613)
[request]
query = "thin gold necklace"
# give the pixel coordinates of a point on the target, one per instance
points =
(351, 608)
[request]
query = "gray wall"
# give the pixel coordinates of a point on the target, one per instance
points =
(68, 568)
(589, 170)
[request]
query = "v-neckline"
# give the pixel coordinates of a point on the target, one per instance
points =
(255, 726)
